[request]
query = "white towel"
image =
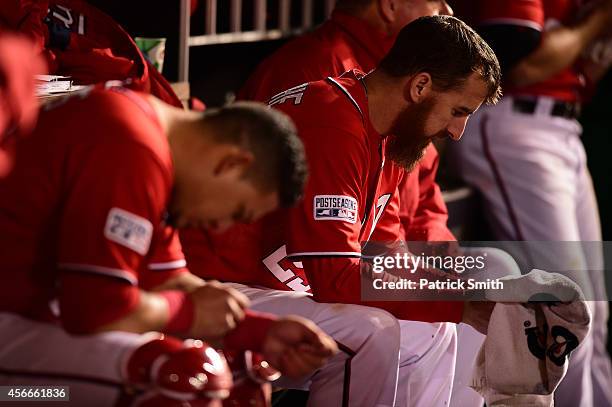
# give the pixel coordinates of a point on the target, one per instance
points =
(537, 285)
(524, 356)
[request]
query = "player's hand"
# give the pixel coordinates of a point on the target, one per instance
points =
(218, 310)
(297, 347)
(477, 314)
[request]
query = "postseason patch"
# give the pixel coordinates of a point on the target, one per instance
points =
(129, 230)
(335, 207)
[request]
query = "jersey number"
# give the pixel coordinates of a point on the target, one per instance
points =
(284, 275)
(381, 204)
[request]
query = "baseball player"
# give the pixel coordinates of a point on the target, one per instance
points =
(358, 35)
(526, 158)
(18, 107)
(316, 247)
(89, 249)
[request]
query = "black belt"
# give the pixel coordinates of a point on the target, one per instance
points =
(569, 110)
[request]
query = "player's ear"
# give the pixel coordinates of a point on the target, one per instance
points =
(233, 162)
(387, 9)
(418, 87)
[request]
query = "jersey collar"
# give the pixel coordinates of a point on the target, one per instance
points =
(352, 86)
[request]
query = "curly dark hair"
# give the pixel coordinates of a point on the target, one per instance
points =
(446, 48)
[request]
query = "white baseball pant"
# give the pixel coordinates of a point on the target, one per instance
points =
(365, 373)
(531, 170)
(469, 340)
(42, 354)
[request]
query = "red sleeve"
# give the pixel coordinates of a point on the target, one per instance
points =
(327, 222)
(343, 285)
(166, 260)
(251, 332)
(429, 220)
(528, 13)
(84, 301)
(112, 211)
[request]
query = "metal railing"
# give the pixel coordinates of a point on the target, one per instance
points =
(260, 31)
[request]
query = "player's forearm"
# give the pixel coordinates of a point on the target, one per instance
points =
(336, 280)
(184, 281)
(339, 281)
(428, 224)
(560, 48)
(151, 314)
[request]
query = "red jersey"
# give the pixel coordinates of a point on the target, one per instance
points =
(87, 197)
(317, 244)
(540, 15)
(80, 41)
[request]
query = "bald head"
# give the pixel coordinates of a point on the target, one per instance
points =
(355, 6)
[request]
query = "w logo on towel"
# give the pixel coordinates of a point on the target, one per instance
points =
(563, 343)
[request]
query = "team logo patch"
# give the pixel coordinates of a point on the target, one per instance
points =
(335, 207)
(129, 230)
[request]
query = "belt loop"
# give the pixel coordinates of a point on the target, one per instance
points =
(506, 104)
(544, 106)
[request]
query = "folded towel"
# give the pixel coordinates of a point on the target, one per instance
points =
(525, 354)
(537, 285)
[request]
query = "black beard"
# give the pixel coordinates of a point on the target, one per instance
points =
(407, 142)
(405, 155)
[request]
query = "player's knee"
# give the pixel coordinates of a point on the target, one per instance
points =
(443, 348)
(379, 329)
